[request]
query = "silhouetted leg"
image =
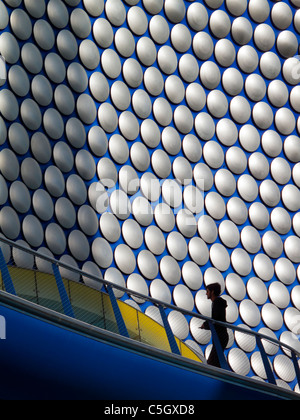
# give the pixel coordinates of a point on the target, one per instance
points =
(213, 359)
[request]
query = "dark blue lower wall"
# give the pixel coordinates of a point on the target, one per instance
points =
(40, 360)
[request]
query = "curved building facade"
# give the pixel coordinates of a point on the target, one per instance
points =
(155, 143)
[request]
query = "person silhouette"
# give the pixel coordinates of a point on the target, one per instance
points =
(219, 305)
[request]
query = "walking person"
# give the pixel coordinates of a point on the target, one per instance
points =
(219, 305)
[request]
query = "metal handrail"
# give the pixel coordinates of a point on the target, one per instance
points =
(155, 302)
(162, 306)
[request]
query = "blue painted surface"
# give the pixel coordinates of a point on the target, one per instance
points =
(120, 321)
(40, 360)
(9, 286)
(62, 292)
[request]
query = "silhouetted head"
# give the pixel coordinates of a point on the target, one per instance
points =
(213, 291)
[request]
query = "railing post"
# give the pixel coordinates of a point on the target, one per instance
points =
(8, 284)
(269, 372)
(120, 321)
(62, 292)
(297, 368)
(170, 335)
(218, 347)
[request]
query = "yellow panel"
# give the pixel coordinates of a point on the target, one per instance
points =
(84, 298)
(110, 320)
(187, 352)
(47, 292)
(143, 328)
(24, 282)
(93, 307)
(153, 333)
(148, 331)
(129, 315)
